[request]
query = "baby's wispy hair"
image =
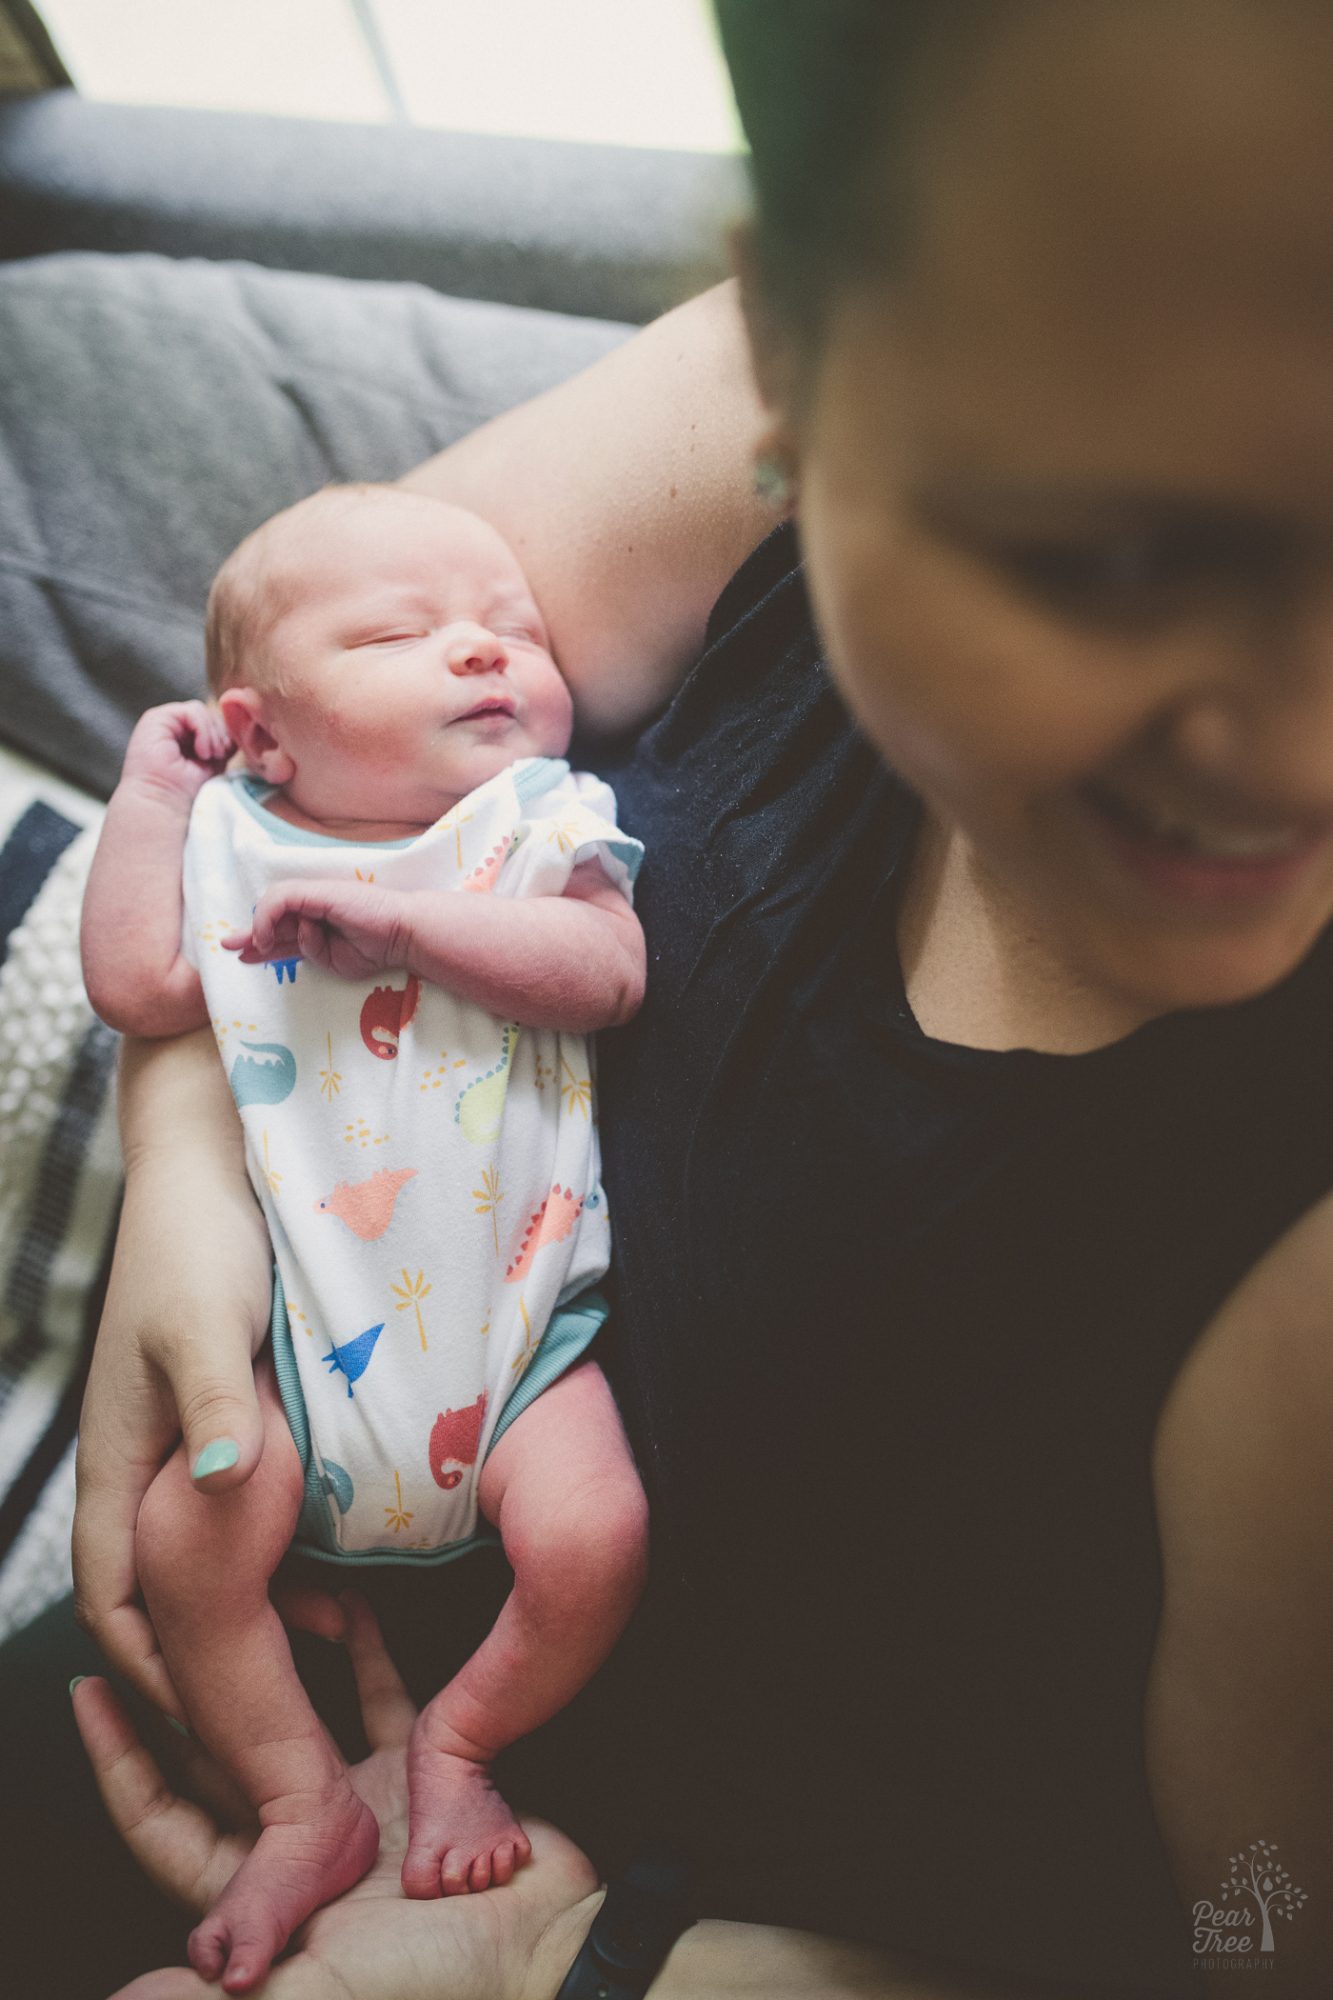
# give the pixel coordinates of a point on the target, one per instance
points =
(260, 582)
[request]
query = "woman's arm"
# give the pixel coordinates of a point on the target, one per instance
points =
(626, 493)
(186, 1311)
(1240, 1720)
(723, 1961)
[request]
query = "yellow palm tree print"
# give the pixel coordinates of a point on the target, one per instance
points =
(488, 1198)
(409, 1296)
(577, 1092)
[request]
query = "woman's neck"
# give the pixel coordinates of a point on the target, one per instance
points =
(976, 970)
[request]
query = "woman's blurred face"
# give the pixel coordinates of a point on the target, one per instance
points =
(1067, 488)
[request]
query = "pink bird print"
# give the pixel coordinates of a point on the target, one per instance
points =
(366, 1206)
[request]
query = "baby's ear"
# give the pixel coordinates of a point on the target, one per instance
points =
(244, 714)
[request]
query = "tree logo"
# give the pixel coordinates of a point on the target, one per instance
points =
(1258, 1874)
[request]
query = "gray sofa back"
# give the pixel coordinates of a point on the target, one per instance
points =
(610, 232)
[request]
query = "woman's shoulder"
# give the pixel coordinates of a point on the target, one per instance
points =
(759, 683)
(774, 566)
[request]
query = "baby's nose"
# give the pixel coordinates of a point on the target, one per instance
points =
(471, 649)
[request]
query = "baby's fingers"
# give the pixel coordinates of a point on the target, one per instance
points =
(274, 936)
(209, 741)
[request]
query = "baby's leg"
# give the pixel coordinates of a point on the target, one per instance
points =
(204, 1566)
(562, 1489)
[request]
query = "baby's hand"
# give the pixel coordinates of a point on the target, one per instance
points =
(175, 748)
(351, 928)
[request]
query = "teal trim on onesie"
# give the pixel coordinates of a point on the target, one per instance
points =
(569, 1333)
(253, 794)
(535, 775)
(629, 853)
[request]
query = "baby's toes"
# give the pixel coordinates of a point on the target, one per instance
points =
(456, 1872)
(208, 1946)
(423, 1873)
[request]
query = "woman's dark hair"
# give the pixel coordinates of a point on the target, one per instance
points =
(830, 94)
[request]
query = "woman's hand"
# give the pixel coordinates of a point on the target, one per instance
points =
(515, 1943)
(187, 1310)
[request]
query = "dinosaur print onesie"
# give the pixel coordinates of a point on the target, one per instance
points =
(430, 1175)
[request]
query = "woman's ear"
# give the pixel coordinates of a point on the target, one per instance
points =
(774, 364)
(243, 712)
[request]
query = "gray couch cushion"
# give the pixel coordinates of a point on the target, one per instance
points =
(621, 232)
(153, 412)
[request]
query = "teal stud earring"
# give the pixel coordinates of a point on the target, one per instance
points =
(773, 483)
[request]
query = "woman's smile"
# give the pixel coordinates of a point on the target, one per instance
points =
(1066, 505)
(1201, 861)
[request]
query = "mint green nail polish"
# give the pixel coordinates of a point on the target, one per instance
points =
(180, 1729)
(77, 1681)
(215, 1457)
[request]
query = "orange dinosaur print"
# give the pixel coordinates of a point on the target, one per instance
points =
(551, 1223)
(482, 878)
(384, 1015)
(367, 1206)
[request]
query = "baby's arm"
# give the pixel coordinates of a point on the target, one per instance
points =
(137, 979)
(574, 961)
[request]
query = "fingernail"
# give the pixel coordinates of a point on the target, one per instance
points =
(216, 1457)
(77, 1681)
(180, 1729)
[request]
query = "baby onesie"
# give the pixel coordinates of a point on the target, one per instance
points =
(430, 1175)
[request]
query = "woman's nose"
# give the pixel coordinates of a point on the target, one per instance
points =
(1268, 730)
(471, 649)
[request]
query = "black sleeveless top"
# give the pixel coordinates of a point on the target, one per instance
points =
(893, 1324)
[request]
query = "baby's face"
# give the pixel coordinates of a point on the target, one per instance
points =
(412, 666)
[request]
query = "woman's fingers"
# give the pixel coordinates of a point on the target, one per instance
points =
(176, 1843)
(296, 1979)
(111, 1489)
(309, 1609)
(387, 1709)
(174, 1982)
(214, 1392)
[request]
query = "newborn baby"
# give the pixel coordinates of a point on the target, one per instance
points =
(402, 919)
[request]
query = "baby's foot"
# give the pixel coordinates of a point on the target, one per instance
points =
(462, 1833)
(313, 1846)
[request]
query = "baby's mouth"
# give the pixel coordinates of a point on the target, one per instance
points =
(495, 704)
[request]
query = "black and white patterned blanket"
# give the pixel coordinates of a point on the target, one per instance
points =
(59, 1176)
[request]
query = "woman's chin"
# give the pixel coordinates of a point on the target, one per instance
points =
(1178, 975)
